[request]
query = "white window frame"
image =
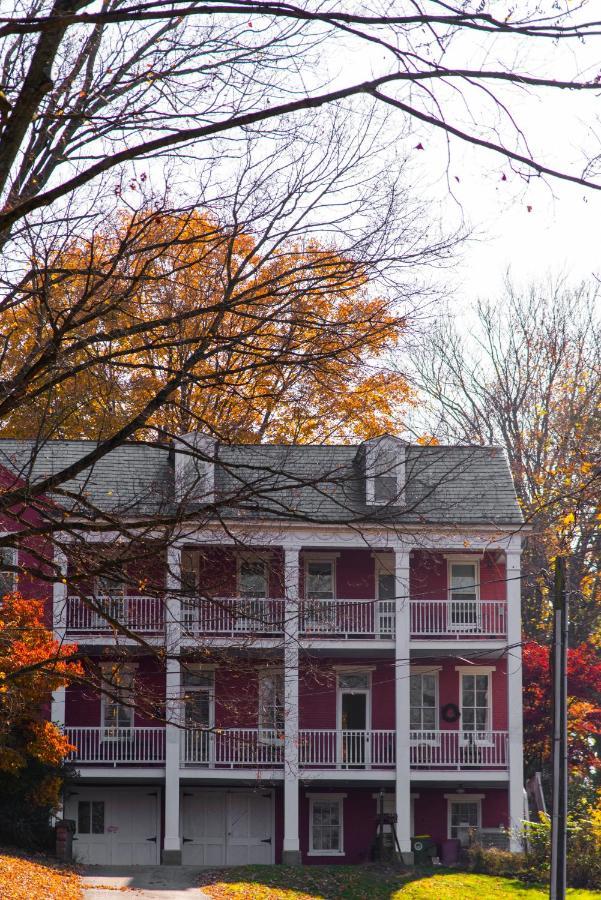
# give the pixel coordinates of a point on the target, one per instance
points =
(388, 442)
(13, 553)
(321, 558)
(250, 557)
(329, 798)
(264, 738)
(255, 607)
(200, 669)
(319, 618)
(435, 671)
(104, 702)
(190, 605)
(384, 564)
(464, 560)
(463, 798)
(476, 670)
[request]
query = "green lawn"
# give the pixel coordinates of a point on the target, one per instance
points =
(367, 883)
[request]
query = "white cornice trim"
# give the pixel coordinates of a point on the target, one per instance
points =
(476, 670)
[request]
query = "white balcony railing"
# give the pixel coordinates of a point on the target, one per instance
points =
(334, 619)
(347, 619)
(319, 748)
(458, 618)
(331, 749)
(141, 614)
(232, 616)
(458, 750)
(232, 748)
(123, 746)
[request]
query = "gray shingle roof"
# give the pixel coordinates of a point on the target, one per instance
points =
(322, 483)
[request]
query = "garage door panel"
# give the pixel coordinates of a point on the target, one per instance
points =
(226, 827)
(129, 818)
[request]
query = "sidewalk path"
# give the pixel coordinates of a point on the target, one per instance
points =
(142, 883)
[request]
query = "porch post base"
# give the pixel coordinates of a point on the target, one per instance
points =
(171, 857)
(291, 858)
(407, 858)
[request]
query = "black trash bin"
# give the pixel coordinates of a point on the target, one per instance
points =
(424, 849)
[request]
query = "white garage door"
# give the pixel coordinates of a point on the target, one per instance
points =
(115, 827)
(227, 828)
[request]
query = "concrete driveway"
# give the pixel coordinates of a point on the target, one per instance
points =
(148, 882)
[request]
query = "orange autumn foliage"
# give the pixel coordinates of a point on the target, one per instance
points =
(294, 342)
(26, 878)
(32, 665)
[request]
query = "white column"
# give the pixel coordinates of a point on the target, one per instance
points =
(401, 698)
(514, 698)
(291, 848)
(172, 848)
(59, 624)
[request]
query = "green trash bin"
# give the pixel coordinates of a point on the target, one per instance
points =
(424, 848)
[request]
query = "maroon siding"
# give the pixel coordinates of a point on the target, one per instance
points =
(83, 704)
(359, 811)
(428, 576)
(431, 811)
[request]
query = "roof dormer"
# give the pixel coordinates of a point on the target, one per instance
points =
(195, 467)
(384, 471)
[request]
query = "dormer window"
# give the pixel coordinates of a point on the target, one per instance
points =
(195, 468)
(384, 471)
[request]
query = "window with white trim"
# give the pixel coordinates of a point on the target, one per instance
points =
(464, 608)
(117, 711)
(319, 579)
(463, 815)
(189, 582)
(110, 592)
(8, 578)
(423, 702)
(271, 704)
(253, 578)
(386, 594)
(325, 825)
(198, 696)
(384, 471)
(475, 702)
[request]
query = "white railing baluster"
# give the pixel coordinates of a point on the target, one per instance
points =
(232, 748)
(453, 749)
(458, 619)
(138, 613)
(117, 745)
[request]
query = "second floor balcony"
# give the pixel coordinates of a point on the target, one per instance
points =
(331, 619)
(260, 748)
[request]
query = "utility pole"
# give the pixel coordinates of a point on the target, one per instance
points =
(560, 732)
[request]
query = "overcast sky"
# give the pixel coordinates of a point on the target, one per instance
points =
(535, 228)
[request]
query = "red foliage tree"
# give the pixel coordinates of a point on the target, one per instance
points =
(584, 708)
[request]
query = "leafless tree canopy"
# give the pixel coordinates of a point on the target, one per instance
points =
(528, 378)
(125, 126)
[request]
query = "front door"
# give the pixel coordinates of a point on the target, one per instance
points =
(353, 718)
(354, 721)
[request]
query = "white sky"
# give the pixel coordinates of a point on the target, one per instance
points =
(561, 235)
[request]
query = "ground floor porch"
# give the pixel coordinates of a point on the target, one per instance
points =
(242, 822)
